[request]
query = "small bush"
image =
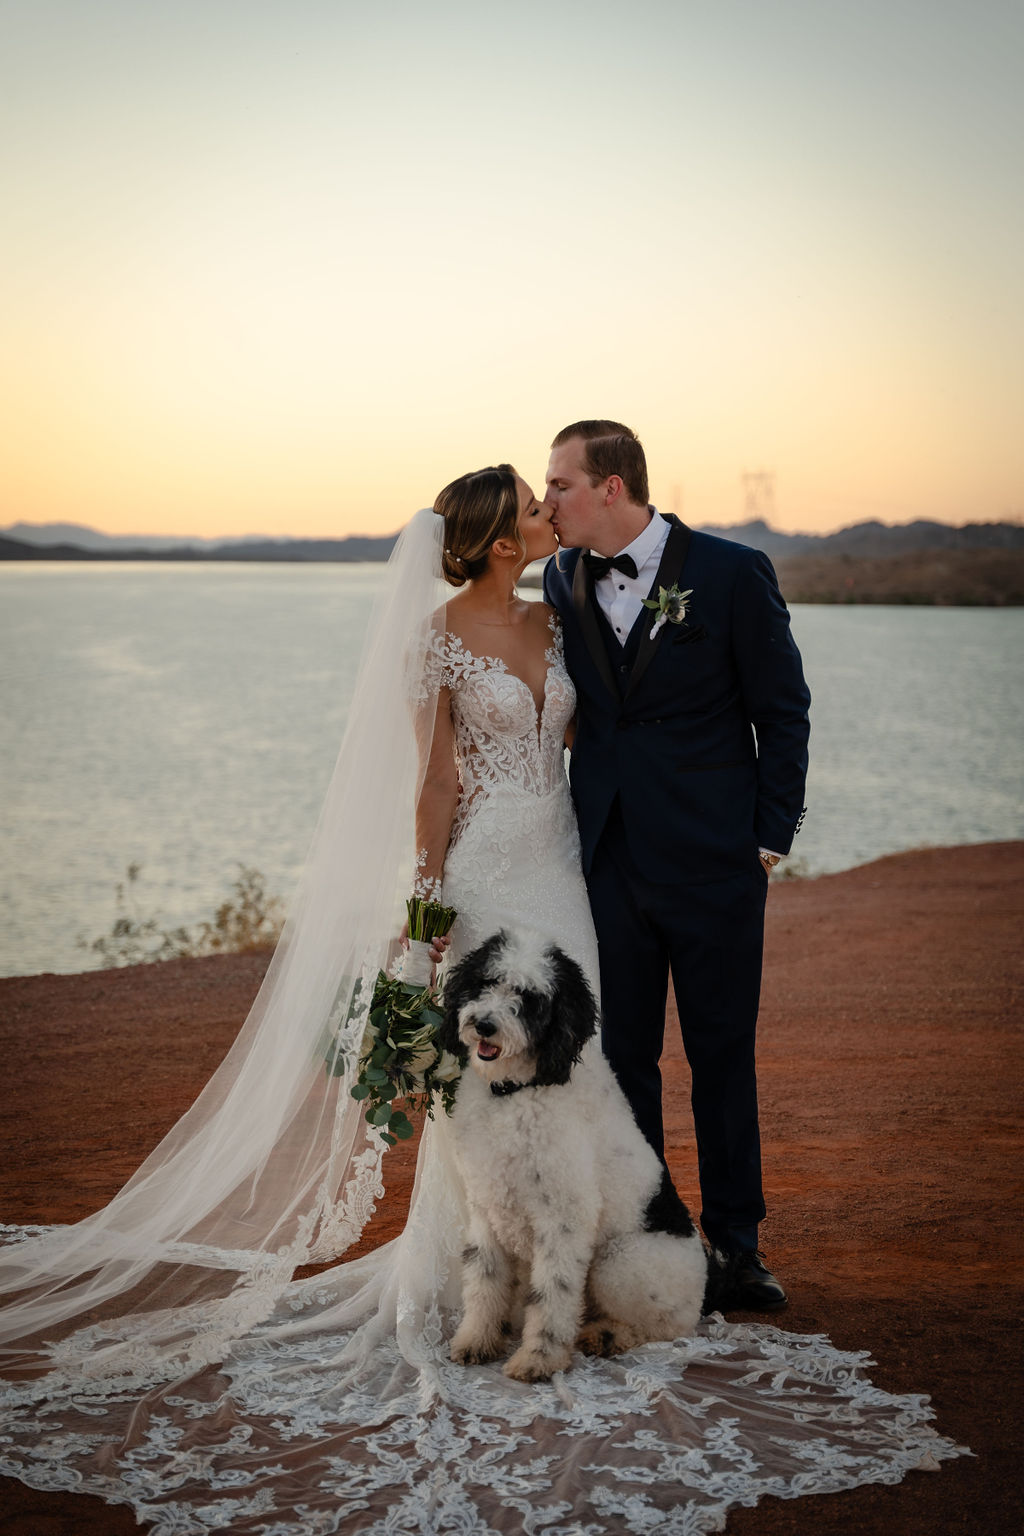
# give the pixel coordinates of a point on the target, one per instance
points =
(247, 922)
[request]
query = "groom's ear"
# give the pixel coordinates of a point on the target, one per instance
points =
(612, 489)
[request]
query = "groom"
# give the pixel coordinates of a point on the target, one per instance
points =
(687, 771)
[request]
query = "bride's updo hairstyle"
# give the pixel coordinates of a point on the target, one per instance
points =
(477, 509)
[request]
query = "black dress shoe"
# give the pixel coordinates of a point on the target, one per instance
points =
(750, 1285)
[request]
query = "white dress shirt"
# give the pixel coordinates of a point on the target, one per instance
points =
(621, 597)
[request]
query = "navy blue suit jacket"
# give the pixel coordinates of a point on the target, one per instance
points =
(704, 738)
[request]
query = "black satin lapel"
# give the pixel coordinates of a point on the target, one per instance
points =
(585, 613)
(669, 571)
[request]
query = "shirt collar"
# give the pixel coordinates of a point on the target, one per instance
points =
(649, 542)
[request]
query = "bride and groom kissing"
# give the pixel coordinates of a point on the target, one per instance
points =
(688, 731)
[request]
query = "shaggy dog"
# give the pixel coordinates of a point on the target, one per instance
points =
(577, 1237)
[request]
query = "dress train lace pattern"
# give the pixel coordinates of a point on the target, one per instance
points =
(284, 1439)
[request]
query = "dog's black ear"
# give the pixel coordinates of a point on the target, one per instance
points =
(462, 984)
(573, 1021)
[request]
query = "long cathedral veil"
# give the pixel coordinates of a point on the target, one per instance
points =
(274, 1165)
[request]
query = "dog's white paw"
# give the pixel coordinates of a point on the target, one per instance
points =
(538, 1364)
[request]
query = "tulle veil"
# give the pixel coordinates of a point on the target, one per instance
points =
(274, 1165)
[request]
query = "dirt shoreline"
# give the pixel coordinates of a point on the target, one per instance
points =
(890, 1068)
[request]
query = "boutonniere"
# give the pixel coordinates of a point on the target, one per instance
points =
(670, 605)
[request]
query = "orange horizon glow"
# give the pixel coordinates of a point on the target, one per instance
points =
(291, 283)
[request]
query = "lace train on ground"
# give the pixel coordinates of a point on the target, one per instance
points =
(291, 1437)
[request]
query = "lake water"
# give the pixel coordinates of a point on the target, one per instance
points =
(185, 718)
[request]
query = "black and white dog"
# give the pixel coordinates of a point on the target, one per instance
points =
(576, 1237)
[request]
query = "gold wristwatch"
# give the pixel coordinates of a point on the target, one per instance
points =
(769, 860)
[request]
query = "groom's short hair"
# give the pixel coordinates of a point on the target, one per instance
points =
(609, 448)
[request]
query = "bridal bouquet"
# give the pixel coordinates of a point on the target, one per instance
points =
(400, 1059)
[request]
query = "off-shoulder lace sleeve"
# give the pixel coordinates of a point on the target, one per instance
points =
(430, 667)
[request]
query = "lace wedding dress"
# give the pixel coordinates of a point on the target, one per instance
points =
(307, 1407)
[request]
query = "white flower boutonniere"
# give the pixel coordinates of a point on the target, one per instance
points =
(670, 605)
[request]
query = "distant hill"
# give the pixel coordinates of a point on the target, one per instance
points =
(79, 536)
(103, 547)
(868, 540)
(870, 562)
(947, 578)
(873, 540)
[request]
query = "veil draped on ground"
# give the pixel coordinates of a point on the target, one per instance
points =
(274, 1165)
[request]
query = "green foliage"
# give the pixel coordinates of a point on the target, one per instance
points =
(400, 1059)
(247, 922)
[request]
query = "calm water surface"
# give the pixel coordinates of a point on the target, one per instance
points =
(186, 718)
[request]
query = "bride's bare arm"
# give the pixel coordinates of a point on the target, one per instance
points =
(439, 790)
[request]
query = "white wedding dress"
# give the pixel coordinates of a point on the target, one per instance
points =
(338, 1410)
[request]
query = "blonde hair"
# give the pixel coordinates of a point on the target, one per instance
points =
(477, 509)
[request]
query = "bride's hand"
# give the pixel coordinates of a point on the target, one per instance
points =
(438, 946)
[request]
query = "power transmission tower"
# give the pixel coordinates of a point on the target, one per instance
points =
(758, 496)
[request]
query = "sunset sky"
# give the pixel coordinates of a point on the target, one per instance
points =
(288, 266)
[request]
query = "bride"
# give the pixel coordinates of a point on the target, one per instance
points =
(163, 1354)
(495, 827)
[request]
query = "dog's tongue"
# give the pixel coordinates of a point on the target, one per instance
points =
(486, 1051)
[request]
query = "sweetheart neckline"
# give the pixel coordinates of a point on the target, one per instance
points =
(550, 656)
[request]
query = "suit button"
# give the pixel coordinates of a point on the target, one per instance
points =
(623, 669)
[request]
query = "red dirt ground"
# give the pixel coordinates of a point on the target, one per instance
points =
(890, 1069)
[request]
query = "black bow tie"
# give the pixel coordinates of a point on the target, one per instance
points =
(598, 566)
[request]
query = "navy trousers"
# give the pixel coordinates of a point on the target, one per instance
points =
(710, 937)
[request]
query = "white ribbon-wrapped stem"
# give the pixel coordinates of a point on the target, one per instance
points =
(417, 965)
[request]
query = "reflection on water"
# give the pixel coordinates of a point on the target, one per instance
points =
(186, 718)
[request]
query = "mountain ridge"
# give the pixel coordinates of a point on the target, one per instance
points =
(867, 540)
